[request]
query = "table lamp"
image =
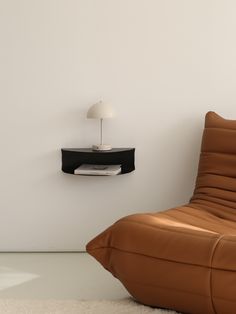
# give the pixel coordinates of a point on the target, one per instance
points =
(100, 111)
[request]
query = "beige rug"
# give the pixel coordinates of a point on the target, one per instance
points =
(124, 306)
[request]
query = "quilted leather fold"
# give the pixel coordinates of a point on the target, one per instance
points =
(183, 258)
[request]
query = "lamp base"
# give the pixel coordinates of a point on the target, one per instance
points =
(101, 147)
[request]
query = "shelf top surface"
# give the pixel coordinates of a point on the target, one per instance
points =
(89, 150)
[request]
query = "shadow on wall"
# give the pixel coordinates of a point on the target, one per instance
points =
(178, 161)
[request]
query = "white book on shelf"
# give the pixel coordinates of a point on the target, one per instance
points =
(98, 170)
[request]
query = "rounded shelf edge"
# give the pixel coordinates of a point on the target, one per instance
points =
(72, 158)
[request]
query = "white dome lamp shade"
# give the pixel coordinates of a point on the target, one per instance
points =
(100, 111)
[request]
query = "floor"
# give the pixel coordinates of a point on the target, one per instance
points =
(56, 276)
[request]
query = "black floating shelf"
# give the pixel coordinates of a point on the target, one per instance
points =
(72, 158)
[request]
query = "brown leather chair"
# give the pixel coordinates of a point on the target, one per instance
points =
(183, 258)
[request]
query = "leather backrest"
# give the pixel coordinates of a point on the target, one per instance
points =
(216, 180)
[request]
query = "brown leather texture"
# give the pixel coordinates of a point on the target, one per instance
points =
(183, 258)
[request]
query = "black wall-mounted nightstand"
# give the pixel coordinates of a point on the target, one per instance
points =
(72, 158)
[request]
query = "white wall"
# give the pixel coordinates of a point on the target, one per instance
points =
(161, 63)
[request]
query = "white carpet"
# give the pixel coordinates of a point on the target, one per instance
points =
(124, 306)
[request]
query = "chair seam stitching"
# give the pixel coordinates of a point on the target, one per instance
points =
(171, 230)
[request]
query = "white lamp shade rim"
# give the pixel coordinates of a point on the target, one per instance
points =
(100, 110)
